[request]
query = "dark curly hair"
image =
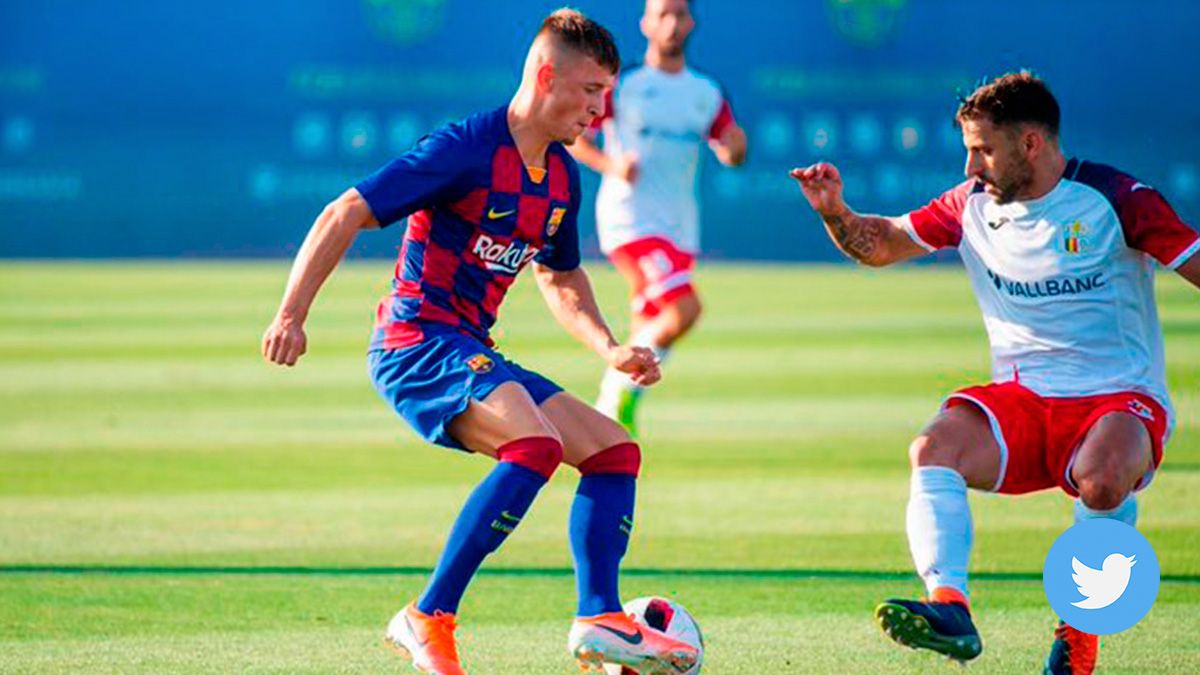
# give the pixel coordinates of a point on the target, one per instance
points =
(1013, 98)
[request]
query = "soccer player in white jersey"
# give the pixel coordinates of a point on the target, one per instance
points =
(661, 115)
(1060, 253)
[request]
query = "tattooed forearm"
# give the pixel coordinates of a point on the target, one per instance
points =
(860, 237)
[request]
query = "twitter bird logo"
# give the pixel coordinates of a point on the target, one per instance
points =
(1101, 588)
(1107, 598)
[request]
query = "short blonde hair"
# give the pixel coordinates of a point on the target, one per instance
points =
(573, 30)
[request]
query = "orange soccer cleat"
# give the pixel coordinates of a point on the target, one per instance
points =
(1073, 652)
(427, 640)
(616, 639)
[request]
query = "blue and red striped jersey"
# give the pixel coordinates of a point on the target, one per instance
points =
(476, 216)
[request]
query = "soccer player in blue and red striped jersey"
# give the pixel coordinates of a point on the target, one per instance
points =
(484, 198)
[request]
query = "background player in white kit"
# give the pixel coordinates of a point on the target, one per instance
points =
(1060, 253)
(662, 114)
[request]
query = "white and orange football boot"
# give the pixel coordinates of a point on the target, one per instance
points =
(427, 640)
(615, 638)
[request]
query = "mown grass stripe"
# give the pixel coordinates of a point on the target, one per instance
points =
(714, 572)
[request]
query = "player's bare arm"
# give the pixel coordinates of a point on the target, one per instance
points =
(730, 148)
(571, 300)
(871, 240)
(326, 243)
(585, 150)
(588, 153)
(1190, 270)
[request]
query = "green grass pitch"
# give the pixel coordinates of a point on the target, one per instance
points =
(249, 518)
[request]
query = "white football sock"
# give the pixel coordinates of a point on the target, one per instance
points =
(1126, 511)
(646, 339)
(939, 527)
(613, 383)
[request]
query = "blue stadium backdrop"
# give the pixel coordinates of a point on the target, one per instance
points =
(167, 128)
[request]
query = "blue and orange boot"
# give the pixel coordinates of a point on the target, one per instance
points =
(1073, 652)
(941, 623)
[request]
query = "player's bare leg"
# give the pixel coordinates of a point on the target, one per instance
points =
(509, 427)
(956, 451)
(1113, 458)
(601, 523)
(507, 414)
(674, 319)
(961, 439)
(584, 432)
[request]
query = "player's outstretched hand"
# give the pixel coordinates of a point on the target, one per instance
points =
(639, 362)
(284, 342)
(733, 136)
(822, 187)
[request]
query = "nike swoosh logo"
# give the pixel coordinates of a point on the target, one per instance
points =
(413, 632)
(1140, 186)
(493, 215)
(632, 638)
(508, 516)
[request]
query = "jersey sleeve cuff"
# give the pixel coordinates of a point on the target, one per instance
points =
(906, 224)
(1185, 255)
(371, 198)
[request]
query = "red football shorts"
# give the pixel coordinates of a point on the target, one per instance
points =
(658, 272)
(1039, 436)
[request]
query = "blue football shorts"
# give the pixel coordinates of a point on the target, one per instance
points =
(431, 383)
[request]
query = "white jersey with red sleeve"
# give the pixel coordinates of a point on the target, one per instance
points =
(666, 119)
(1066, 281)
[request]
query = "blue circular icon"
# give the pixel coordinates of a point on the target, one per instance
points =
(1101, 576)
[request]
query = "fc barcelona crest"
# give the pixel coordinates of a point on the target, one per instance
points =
(480, 364)
(556, 218)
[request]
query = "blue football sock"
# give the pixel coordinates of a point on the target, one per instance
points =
(601, 522)
(492, 511)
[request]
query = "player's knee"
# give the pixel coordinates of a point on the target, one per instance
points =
(680, 316)
(689, 309)
(930, 449)
(692, 306)
(541, 454)
(622, 458)
(1102, 490)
